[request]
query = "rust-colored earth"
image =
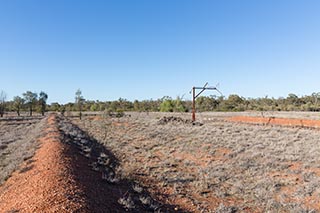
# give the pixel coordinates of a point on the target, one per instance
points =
(45, 184)
(277, 121)
(58, 179)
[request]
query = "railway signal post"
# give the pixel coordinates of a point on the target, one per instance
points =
(195, 96)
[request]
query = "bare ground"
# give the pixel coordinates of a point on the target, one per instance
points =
(292, 122)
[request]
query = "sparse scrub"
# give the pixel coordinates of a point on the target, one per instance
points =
(18, 142)
(251, 166)
(104, 163)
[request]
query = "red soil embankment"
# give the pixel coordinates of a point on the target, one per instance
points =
(45, 183)
(277, 121)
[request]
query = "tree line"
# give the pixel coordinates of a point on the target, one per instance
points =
(204, 103)
(31, 101)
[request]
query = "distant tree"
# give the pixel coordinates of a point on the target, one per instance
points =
(102, 106)
(316, 99)
(43, 97)
(167, 105)
(18, 104)
(31, 100)
(62, 110)
(124, 105)
(70, 107)
(136, 105)
(204, 103)
(94, 107)
(3, 98)
(233, 103)
(178, 105)
(54, 107)
(79, 102)
(292, 99)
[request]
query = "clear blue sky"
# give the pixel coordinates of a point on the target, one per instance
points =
(143, 49)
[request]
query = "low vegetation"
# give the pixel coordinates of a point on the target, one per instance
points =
(18, 142)
(220, 166)
(233, 102)
(129, 194)
(163, 160)
(204, 103)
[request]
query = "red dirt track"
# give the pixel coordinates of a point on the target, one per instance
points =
(277, 121)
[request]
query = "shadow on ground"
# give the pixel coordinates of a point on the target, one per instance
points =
(97, 171)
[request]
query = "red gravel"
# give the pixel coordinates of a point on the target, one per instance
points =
(58, 179)
(44, 184)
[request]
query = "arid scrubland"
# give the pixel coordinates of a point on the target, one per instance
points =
(219, 166)
(162, 162)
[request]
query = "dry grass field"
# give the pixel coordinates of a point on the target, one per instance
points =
(220, 166)
(17, 142)
(162, 162)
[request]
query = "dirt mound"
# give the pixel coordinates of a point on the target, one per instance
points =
(72, 172)
(177, 120)
(277, 121)
(45, 184)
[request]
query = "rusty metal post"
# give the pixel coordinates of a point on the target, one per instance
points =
(195, 96)
(193, 104)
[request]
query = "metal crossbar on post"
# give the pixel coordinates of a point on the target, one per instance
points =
(195, 96)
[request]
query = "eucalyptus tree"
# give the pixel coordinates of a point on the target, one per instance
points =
(3, 98)
(18, 104)
(79, 102)
(31, 100)
(43, 97)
